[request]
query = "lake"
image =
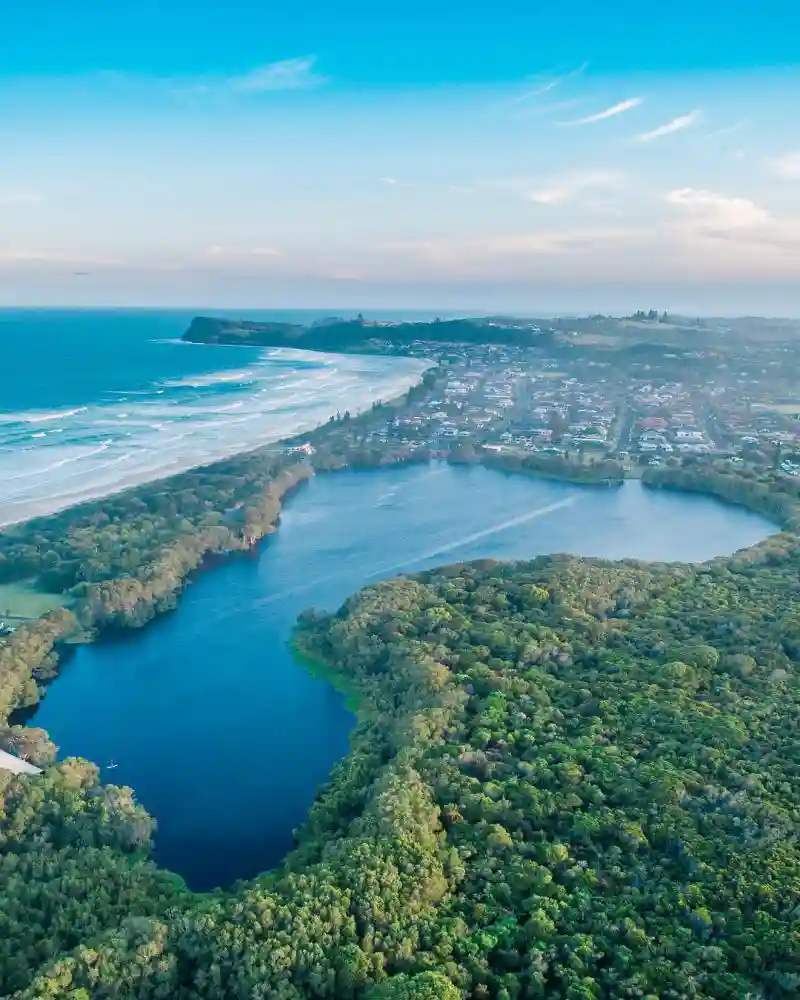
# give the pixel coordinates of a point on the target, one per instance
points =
(224, 736)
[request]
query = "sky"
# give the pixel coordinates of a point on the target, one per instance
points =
(450, 155)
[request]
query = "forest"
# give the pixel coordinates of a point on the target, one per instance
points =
(600, 471)
(571, 778)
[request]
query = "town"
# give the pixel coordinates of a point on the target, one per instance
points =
(581, 407)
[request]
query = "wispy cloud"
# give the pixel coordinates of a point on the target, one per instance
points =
(477, 251)
(21, 199)
(739, 228)
(616, 109)
(786, 166)
(718, 133)
(218, 252)
(56, 257)
(394, 182)
(287, 74)
(718, 211)
(283, 75)
(549, 108)
(547, 83)
(566, 188)
(668, 128)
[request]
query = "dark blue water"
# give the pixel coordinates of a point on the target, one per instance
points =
(224, 736)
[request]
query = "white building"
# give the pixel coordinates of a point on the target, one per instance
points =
(8, 762)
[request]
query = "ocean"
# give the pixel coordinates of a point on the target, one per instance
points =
(92, 402)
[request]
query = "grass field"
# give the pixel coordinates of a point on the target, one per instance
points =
(23, 601)
(789, 409)
(633, 324)
(596, 339)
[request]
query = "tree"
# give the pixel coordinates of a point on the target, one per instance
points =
(423, 986)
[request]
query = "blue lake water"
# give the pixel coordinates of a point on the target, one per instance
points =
(224, 736)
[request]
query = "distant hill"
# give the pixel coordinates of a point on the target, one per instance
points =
(358, 334)
(630, 338)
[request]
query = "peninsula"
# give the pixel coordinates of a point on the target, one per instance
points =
(359, 334)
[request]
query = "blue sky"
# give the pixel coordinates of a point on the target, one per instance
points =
(435, 155)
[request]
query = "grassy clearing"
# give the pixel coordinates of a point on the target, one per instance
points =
(596, 339)
(318, 668)
(24, 601)
(633, 324)
(788, 409)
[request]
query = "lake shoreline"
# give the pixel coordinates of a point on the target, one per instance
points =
(657, 479)
(338, 535)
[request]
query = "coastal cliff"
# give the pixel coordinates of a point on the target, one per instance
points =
(207, 330)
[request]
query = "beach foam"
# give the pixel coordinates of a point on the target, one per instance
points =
(182, 423)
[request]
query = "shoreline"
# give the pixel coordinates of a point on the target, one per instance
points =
(74, 500)
(160, 600)
(318, 668)
(287, 486)
(261, 477)
(362, 699)
(248, 490)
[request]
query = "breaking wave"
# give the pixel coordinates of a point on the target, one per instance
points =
(176, 424)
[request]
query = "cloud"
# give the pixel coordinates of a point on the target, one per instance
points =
(733, 233)
(550, 108)
(218, 252)
(676, 125)
(718, 211)
(56, 257)
(287, 74)
(548, 84)
(284, 75)
(394, 182)
(569, 186)
(612, 112)
(478, 251)
(786, 166)
(18, 199)
(718, 133)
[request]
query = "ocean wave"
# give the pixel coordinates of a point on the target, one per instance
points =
(217, 378)
(53, 458)
(103, 449)
(39, 416)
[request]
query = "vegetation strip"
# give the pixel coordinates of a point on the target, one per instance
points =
(570, 778)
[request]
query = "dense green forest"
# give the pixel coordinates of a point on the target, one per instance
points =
(766, 492)
(571, 778)
(595, 471)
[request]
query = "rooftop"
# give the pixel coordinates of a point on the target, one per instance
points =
(8, 762)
